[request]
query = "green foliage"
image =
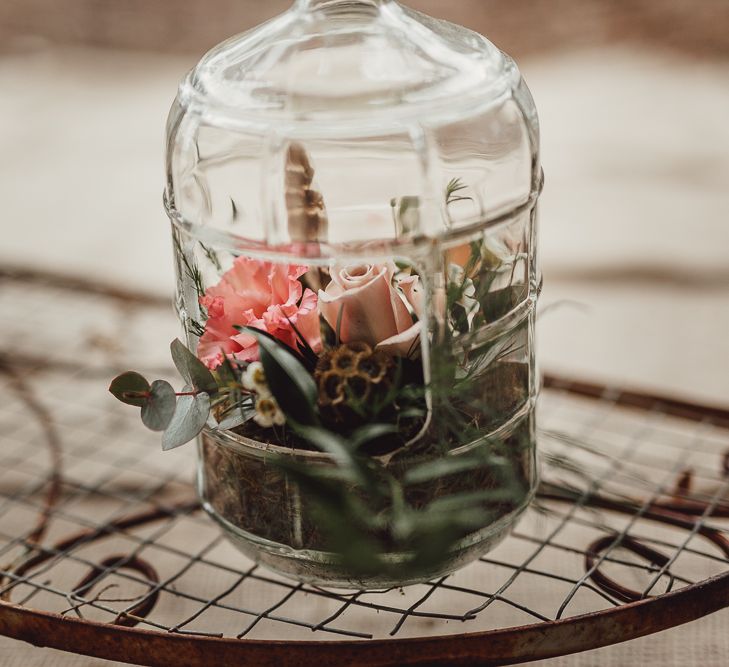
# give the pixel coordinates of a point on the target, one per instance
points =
(455, 185)
(290, 382)
(195, 328)
(366, 508)
(190, 416)
(212, 256)
(130, 388)
(191, 269)
(182, 416)
(191, 368)
(159, 406)
(363, 512)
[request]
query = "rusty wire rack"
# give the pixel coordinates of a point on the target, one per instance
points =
(104, 550)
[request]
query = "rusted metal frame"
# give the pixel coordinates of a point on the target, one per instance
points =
(142, 606)
(265, 613)
(622, 593)
(681, 495)
(193, 559)
(646, 402)
(507, 646)
(698, 527)
(308, 589)
(663, 562)
(80, 285)
(505, 600)
(98, 489)
(92, 529)
(137, 520)
(617, 538)
(626, 506)
(547, 575)
(611, 533)
(432, 587)
(136, 611)
(213, 601)
(628, 453)
(336, 614)
(118, 529)
(53, 440)
(64, 547)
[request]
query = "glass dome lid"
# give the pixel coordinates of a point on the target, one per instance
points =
(370, 109)
(347, 61)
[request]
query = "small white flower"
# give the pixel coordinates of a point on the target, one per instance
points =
(268, 413)
(254, 379)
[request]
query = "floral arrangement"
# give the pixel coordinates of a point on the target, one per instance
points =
(264, 324)
(330, 358)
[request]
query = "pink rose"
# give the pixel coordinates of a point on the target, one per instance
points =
(372, 310)
(262, 295)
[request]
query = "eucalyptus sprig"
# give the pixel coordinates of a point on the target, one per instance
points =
(179, 415)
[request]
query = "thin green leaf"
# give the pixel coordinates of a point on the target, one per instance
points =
(189, 418)
(191, 269)
(195, 328)
(212, 257)
(306, 351)
(237, 418)
(130, 388)
(291, 384)
(458, 501)
(449, 465)
(192, 369)
(159, 407)
(329, 442)
(227, 375)
(368, 433)
(455, 185)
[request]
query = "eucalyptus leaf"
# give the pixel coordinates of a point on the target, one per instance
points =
(189, 418)
(125, 386)
(159, 407)
(291, 384)
(192, 369)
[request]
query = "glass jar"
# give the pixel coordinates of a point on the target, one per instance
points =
(359, 182)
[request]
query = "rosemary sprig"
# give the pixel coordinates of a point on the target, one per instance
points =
(195, 328)
(191, 269)
(212, 256)
(455, 185)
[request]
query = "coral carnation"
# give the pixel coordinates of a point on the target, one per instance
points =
(262, 295)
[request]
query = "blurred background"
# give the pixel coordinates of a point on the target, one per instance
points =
(634, 105)
(633, 98)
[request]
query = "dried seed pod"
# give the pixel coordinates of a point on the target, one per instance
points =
(306, 212)
(349, 376)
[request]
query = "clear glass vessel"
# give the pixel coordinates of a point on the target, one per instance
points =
(360, 181)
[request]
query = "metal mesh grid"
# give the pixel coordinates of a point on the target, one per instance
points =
(96, 523)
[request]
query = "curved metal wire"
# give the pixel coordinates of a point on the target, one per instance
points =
(652, 460)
